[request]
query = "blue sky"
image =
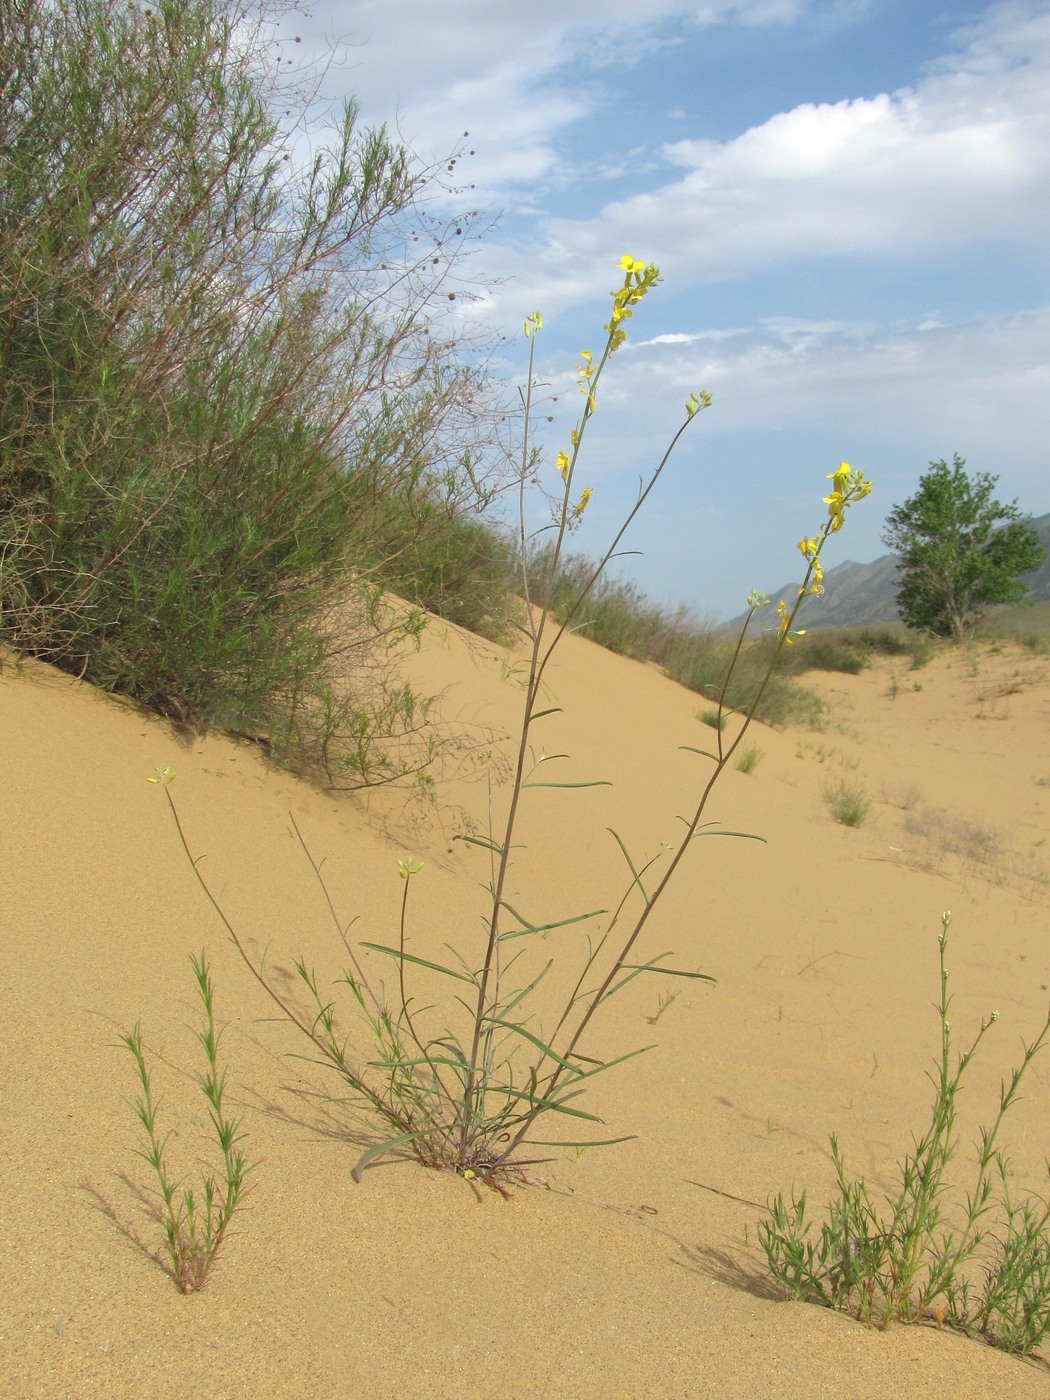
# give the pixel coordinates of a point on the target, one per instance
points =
(850, 204)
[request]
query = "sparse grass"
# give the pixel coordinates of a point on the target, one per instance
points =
(194, 1222)
(923, 652)
(851, 649)
(713, 719)
(906, 1260)
(846, 802)
(942, 833)
(747, 758)
(1025, 623)
(904, 795)
(692, 652)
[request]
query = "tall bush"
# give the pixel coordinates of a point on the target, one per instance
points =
(229, 371)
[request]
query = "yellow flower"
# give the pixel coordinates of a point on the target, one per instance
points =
(407, 868)
(532, 324)
(563, 465)
(841, 476)
(581, 504)
(847, 486)
(784, 613)
(631, 265)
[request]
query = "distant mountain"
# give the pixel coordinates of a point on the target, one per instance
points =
(861, 595)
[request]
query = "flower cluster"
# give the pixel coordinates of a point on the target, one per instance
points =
(639, 277)
(786, 615)
(847, 486)
(809, 548)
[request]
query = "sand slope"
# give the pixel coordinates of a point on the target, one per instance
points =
(631, 1275)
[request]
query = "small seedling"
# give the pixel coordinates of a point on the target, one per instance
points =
(194, 1223)
(666, 999)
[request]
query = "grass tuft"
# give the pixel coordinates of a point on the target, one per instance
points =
(846, 802)
(747, 758)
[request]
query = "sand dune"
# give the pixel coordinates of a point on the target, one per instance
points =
(637, 1272)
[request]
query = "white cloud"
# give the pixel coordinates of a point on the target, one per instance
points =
(959, 160)
(517, 77)
(957, 381)
(791, 399)
(962, 156)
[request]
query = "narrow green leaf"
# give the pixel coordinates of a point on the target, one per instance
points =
(610, 1064)
(542, 714)
(381, 1149)
(670, 972)
(600, 1142)
(688, 748)
(392, 1062)
(553, 1105)
(534, 1039)
(526, 927)
(599, 782)
(524, 992)
(619, 986)
(481, 841)
(743, 835)
(400, 956)
(630, 863)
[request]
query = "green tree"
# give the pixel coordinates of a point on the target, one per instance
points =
(960, 550)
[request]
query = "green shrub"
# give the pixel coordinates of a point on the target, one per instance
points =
(223, 389)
